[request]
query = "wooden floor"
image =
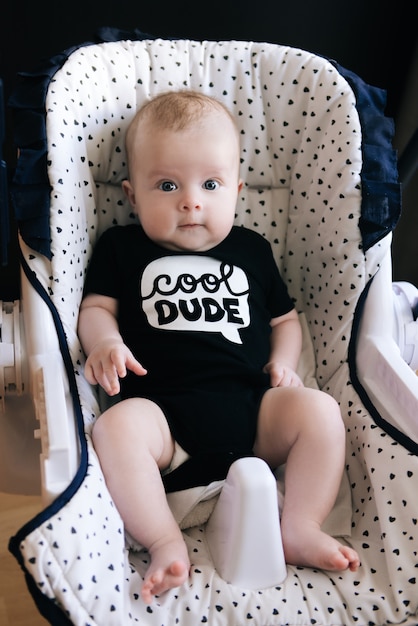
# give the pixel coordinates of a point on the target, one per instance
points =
(16, 605)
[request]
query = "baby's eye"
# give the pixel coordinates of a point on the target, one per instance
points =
(167, 185)
(211, 185)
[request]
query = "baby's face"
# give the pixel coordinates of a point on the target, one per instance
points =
(184, 184)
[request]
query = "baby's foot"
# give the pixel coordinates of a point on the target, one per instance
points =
(307, 545)
(169, 568)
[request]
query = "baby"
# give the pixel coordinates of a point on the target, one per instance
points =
(187, 316)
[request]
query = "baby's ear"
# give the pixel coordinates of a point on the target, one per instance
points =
(240, 184)
(128, 189)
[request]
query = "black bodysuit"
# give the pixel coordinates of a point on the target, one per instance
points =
(200, 324)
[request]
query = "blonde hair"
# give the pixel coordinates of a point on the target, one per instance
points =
(175, 111)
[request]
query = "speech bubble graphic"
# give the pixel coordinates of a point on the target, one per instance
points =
(196, 293)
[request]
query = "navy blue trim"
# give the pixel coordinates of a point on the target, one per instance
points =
(111, 33)
(381, 190)
(30, 192)
(30, 188)
(67, 494)
(390, 429)
(46, 606)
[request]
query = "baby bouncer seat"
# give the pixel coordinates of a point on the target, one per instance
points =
(321, 185)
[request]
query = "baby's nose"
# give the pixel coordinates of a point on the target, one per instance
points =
(191, 201)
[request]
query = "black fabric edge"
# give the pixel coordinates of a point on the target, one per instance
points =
(381, 189)
(30, 188)
(46, 606)
(396, 434)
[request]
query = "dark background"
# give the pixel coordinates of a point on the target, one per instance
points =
(374, 38)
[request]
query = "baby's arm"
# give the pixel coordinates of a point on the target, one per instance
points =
(286, 346)
(108, 358)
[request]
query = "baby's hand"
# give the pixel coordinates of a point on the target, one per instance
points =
(282, 375)
(108, 361)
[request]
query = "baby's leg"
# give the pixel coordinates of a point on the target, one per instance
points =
(303, 427)
(133, 442)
